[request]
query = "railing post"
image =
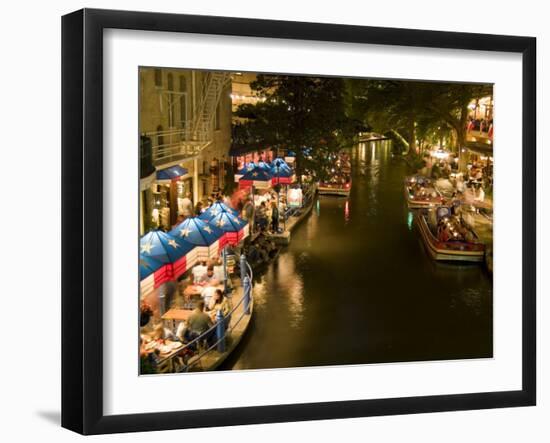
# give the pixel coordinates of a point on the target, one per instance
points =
(220, 331)
(243, 267)
(247, 287)
(225, 276)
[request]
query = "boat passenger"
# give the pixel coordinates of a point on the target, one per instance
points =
(445, 234)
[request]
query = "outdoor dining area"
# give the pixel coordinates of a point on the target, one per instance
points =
(268, 192)
(188, 289)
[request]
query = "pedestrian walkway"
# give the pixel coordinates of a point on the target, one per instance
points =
(283, 238)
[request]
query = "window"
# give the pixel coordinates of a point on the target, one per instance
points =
(160, 136)
(158, 78)
(170, 82)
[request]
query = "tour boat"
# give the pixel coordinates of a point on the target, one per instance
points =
(340, 181)
(420, 192)
(450, 250)
(328, 188)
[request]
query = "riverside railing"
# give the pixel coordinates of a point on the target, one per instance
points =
(224, 324)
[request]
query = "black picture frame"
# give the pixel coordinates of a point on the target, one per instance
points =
(82, 231)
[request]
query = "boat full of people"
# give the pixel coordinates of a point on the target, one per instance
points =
(448, 237)
(339, 181)
(421, 192)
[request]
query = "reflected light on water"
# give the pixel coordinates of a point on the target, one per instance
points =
(410, 219)
(346, 211)
(292, 288)
(362, 151)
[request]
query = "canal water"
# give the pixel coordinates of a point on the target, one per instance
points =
(356, 286)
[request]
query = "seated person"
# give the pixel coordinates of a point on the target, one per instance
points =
(199, 271)
(158, 333)
(209, 279)
(466, 234)
(198, 323)
(219, 303)
(207, 294)
(445, 234)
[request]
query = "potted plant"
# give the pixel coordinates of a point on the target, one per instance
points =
(145, 314)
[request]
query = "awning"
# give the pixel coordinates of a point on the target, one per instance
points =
(171, 173)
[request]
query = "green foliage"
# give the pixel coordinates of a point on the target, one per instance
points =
(423, 111)
(304, 114)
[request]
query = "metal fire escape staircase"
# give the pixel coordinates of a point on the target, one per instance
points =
(195, 135)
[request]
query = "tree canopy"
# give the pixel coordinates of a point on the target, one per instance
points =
(317, 116)
(415, 109)
(304, 114)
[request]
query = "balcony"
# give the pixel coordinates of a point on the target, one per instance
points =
(177, 145)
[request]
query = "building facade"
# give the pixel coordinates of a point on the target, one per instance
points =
(185, 137)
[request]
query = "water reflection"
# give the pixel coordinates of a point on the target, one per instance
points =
(346, 212)
(356, 286)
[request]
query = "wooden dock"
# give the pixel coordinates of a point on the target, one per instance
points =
(284, 237)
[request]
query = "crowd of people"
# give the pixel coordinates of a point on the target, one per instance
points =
(453, 229)
(186, 208)
(202, 293)
(423, 191)
(261, 250)
(263, 212)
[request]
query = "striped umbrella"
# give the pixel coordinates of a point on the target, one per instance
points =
(264, 166)
(246, 168)
(160, 247)
(215, 209)
(234, 227)
(151, 274)
(282, 174)
(207, 240)
(258, 178)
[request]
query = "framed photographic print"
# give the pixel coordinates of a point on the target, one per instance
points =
(269, 221)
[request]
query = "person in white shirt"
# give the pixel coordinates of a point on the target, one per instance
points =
(199, 271)
(185, 206)
(207, 294)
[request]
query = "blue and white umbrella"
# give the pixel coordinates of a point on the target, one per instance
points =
(166, 249)
(234, 227)
(258, 178)
(215, 208)
(207, 239)
(246, 168)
